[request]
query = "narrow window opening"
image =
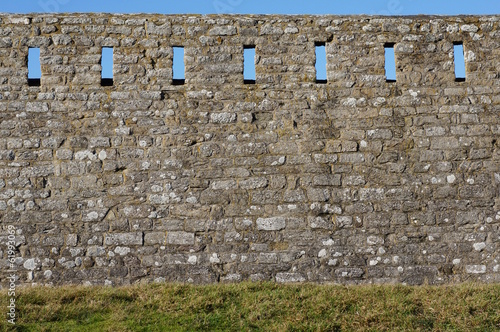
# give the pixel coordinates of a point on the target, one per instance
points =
(107, 66)
(390, 63)
(178, 66)
(458, 52)
(34, 68)
(249, 64)
(321, 63)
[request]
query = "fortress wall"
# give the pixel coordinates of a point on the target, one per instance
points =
(357, 180)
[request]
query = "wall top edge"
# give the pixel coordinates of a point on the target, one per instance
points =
(420, 16)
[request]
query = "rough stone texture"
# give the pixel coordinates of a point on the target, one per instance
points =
(357, 180)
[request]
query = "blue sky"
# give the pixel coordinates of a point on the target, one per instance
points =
(374, 7)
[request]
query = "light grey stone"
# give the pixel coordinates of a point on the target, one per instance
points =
(475, 269)
(180, 238)
(124, 239)
(289, 277)
(271, 224)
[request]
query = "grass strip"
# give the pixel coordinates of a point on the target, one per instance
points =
(256, 307)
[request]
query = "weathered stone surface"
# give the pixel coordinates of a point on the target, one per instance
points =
(475, 269)
(289, 277)
(352, 180)
(271, 224)
(154, 238)
(182, 238)
(124, 239)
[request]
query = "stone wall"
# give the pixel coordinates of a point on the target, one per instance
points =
(357, 180)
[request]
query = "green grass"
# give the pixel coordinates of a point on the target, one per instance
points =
(258, 307)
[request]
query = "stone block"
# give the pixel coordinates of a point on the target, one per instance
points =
(271, 224)
(180, 238)
(124, 239)
(287, 277)
(154, 238)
